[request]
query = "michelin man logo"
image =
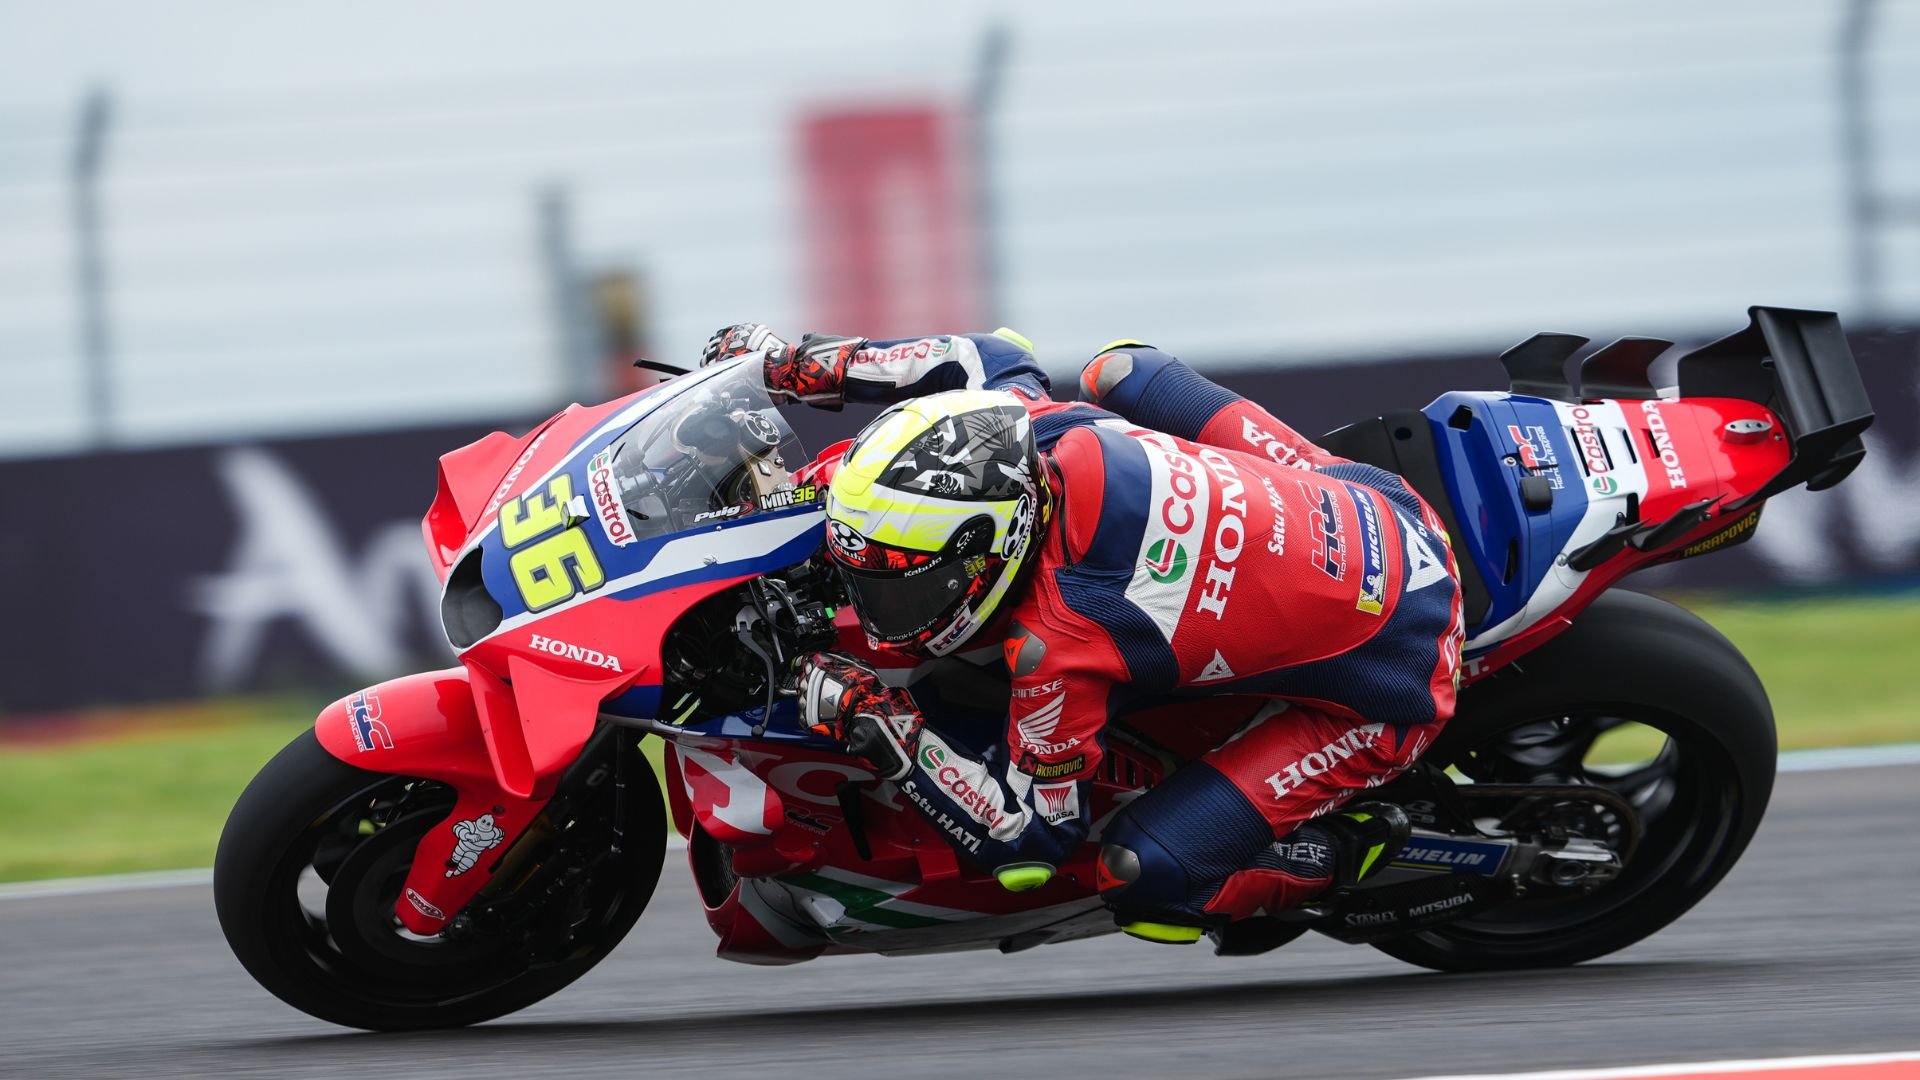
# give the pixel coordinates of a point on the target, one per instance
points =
(475, 838)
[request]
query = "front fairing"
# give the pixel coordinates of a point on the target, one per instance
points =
(614, 521)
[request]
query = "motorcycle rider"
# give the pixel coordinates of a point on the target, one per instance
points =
(1163, 539)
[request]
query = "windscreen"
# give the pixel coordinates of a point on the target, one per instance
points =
(715, 451)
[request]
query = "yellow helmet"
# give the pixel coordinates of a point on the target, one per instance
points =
(931, 516)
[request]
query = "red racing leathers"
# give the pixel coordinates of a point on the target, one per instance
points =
(1197, 547)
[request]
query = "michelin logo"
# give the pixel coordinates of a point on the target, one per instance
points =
(1451, 856)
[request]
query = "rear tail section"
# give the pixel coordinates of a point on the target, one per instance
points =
(1553, 491)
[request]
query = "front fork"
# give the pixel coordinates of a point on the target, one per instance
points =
(427, 726)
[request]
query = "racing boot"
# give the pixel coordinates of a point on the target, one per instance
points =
(1337, 851)
(1366, 837)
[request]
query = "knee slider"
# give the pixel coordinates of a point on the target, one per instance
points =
(1106, 370)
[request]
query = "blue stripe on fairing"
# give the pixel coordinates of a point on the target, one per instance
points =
(645, 702)
(635, 557)
(791, 553)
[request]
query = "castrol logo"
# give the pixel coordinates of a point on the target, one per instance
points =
(1592, 450)
(607, 507)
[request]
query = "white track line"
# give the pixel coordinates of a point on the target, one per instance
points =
(148, 879)
(1862, 757)
(1850, 757)
(105, 883)
(1701, 1068)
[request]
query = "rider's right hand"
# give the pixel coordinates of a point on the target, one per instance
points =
(844, 699)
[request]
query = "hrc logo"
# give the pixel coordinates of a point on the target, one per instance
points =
(363, 713)
(1323, 521)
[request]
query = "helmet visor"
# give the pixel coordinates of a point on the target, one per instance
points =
(898, 608)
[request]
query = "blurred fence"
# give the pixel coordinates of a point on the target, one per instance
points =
(299, 563)
(344, 249)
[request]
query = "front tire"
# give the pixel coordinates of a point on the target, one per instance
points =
(311, 862)
(1629, 658)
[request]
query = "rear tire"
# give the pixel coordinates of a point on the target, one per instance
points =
(1633, 658)
(310, 822)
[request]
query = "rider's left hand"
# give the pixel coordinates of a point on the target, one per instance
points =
(844, 699)
(744, 339)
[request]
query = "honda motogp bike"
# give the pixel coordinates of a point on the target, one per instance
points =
(452, 846)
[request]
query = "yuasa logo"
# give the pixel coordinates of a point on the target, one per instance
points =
(1229, 534)
(1320, 761)
(607, 507)
(566, 651)
(1058, 802)
(1663, 442)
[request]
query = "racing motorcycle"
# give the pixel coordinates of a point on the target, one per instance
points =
(454, 845)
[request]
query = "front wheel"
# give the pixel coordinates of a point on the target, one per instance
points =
(313, 857)
(1640, 697)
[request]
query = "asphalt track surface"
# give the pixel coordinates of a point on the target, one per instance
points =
(1811, 946)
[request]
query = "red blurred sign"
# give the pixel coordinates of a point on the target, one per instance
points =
(888, 222)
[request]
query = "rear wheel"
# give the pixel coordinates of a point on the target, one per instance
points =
(1640, 697)
(316, 851)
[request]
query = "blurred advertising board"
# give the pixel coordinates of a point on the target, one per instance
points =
(889, 220)
(298, 563)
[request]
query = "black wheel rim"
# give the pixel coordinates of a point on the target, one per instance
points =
(332, 898)
(1687, 796)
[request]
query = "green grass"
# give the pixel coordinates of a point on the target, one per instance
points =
(1842, 672)
(146, 801)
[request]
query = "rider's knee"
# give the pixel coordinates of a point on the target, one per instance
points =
(1116, 363)
(1169, 849)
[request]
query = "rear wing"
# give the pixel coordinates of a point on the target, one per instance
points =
(1798, 365)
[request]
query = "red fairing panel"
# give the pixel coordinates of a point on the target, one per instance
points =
(427, 726)
(1686, 454)
(477, 478)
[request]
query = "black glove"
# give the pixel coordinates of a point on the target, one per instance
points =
(743, 339)
(844, 699)
(814, 372)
